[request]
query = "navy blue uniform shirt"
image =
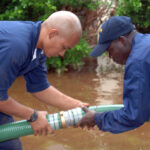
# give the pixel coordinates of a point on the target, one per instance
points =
(19, 56)
(136, 94)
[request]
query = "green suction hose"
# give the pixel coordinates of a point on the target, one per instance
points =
(57, 121)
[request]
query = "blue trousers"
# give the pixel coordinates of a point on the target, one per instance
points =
(14, 144)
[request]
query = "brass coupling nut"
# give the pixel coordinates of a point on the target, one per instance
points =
(63, 120)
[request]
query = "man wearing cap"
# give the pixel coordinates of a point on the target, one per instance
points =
(126, 46)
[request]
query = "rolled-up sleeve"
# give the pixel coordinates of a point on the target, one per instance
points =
(136, 100)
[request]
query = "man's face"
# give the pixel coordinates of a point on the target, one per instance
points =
(57, 45)
(119, 50)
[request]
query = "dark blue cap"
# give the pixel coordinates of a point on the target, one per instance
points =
(112, 29)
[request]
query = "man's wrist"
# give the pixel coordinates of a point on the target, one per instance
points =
(98, 119)
(34, 116)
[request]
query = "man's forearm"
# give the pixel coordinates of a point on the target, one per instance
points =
(11, 107)
(55, 98)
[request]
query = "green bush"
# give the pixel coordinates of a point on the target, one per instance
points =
(138, 10)
(72, 58)
(25, 9)
(76, 4)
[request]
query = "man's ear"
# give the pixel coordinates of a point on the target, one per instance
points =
(122, 39)
(52, 33)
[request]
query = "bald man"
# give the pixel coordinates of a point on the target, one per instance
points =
(24, 46)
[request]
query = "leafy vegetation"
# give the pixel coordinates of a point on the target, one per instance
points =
(138, 10)
(76, 4)
(25, 9)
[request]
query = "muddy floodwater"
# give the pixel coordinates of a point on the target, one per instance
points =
(96, 90)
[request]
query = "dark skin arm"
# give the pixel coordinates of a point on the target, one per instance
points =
(88, 119)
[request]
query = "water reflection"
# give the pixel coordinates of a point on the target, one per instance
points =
(109, 89)
(106, 89)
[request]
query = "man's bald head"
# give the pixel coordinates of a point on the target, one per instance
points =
(67, 23)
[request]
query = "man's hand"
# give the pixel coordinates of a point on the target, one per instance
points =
(41, 126)
(81, 104)
(88, 119)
